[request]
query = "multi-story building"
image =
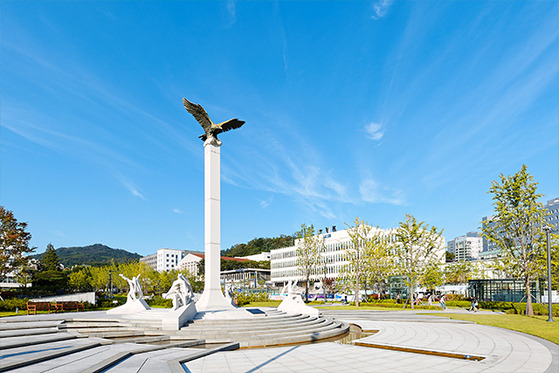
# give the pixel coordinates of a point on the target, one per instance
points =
(490, 249)
(552, 207)
(165, 259)
(466, 247)
(191, 261)
(283, 262)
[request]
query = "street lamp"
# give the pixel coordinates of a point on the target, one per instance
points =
(110, 284)
(547, 230)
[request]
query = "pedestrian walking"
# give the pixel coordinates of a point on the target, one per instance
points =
(474, 305)
(443, 302)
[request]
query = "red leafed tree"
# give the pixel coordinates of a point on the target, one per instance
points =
(14, 242)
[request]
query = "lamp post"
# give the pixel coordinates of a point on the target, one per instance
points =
(547, 230)
(110, 284)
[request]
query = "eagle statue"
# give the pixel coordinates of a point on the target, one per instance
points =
(211, 129)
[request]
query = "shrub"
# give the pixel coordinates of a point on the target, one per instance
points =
(10, 305)
(158, 301)
(459, 303)
(519, 309)
(245, 298)
(454, 297)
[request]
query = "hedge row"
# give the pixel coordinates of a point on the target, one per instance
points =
(520, 308)
(10, 305)
(244, 298)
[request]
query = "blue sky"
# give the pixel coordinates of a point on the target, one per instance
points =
(367, 108)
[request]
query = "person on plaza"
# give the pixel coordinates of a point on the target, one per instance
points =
(474, 305)
(443, 302)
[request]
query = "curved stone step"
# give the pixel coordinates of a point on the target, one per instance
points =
(340, 330)
(26, 332)
(255, 326)
(297, 333)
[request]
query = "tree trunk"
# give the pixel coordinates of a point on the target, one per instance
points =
(357, 291)
(411, 296)
(307, 290)
(529, 307)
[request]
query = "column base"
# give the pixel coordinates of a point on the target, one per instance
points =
(213, 300)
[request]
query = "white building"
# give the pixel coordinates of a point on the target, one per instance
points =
(490, 249)
(191, 260)
(466, 247)
(165, 259)
(283, 262)
(552, 207)
(263, 256)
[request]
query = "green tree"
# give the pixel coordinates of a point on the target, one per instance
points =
(51, 281)
(368, 257)
(307, 254)
(517, 227)
(14, 243)
(459, 272)
(433, 277)
(449, 257)
(50, 261)
(80, 280)
(416, 248)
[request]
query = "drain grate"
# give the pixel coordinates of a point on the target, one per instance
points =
(453, 355)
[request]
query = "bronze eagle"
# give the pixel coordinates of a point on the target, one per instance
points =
(211, 129)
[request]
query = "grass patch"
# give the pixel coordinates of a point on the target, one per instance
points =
(533, 325)
(10, 313)
(269, 303)
(386, 307)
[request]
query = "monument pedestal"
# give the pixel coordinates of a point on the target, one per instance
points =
(212, 298)
(131, 306)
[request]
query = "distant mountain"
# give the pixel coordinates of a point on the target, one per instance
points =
(97, 254)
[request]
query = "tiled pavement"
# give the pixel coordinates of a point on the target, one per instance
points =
(503, 351)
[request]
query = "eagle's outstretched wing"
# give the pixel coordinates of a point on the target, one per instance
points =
(199, 114)
(231, 124)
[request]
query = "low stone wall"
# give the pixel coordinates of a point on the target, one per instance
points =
(77, 297)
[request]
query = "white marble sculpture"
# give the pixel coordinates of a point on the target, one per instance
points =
(135, 291)
(184, 308)
(293, 302)
(229, 293)
(181, 292)
(135, 300)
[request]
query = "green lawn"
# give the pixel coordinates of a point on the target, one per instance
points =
(534, 325)
(375, 308)
(270, 303)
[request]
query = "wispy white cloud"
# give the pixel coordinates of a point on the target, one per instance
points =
(380, 8)
(265, 203)
(128, 184)
(374, 131)
(372, 192)
(232, 11)
(177, 211)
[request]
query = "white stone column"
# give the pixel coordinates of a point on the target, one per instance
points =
(212, 298)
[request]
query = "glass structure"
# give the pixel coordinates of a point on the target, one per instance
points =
(504, 290)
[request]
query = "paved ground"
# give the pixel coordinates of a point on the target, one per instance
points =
(502, 350)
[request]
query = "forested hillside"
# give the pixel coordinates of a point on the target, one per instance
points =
(258, 245)
(97, 254)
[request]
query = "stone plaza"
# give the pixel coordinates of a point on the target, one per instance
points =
(400, 341)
